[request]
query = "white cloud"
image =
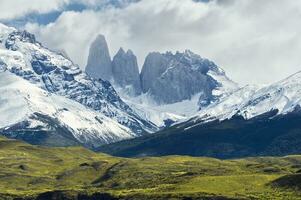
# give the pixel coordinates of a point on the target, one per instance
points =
(11, 9)
(255, 42)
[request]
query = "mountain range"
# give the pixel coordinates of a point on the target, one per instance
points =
(178, 103)
(250, 121)
(170, 87)
(39, 77)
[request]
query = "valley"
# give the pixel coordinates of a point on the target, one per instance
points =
(35, 172)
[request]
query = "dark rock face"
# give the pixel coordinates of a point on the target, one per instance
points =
(171, 78)
(99, 64)
(155, 64)
(126, 72)
(168, 78)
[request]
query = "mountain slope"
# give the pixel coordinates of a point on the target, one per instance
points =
(248, 102)
(234, 138)
(39, 117)
(250, 121)
(23, 56)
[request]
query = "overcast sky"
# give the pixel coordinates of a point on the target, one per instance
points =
(255, 41)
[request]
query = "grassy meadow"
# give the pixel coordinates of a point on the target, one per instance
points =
(29, 172)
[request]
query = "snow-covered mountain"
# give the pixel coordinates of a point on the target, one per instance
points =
(47, 99)
(281, 98)
(27, 109)
(170, 87)
(177, 86)
(22, 56)
(251, 121)
(170, 78)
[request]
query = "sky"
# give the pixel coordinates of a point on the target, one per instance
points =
(253, 41)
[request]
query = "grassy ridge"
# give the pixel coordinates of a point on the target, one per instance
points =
(28, 171)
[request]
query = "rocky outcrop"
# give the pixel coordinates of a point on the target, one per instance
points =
(99, 64)
(168, 78)
(171, 78)
(154, 66)
(126, 72)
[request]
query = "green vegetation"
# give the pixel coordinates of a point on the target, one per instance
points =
(33, 172)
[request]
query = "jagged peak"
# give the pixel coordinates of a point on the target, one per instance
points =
(100, 42)
(189, 52)
(120, 51)
(154, 54)
(100, 37)
(130, 52)
(25, 36)
(186, 53)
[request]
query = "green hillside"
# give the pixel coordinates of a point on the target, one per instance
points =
(33, 172)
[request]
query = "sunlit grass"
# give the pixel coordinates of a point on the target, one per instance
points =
(27, 170)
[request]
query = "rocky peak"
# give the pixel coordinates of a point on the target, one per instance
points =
(126, 72)
(120, 52)
(168, 77)
(99, 64)
(22, 36)
(55, 74)
(155, 64)
(171, 78)
(130, 52)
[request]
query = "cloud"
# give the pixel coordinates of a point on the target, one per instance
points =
(255, 42)
(11, 9)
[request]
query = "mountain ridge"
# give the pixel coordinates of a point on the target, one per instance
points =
(22, 56)
(218, 100)
(228, 139)
(34, 106)
(166, 80)
(251, 121)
